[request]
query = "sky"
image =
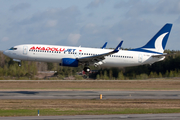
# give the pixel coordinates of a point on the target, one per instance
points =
(87, 23)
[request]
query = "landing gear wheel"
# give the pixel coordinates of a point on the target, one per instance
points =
(87, 69)
(19, 64)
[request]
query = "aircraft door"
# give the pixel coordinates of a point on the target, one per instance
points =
(25, 48)
(140, 58)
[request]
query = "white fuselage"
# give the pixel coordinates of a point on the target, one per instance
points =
(51, 53)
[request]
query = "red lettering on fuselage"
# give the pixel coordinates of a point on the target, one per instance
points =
(61, 49)
(43, 48)
(32, 48)
(47, 48)
(38, 48)
(54, 49)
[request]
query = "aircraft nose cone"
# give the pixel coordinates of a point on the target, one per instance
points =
(5, 52)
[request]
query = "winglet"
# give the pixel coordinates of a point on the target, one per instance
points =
(118, 47)
(104, 46)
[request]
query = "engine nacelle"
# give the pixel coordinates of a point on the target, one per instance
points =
(69, 62)
(98, 63)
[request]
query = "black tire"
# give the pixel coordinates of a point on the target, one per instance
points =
(87, 69)
(19, 64)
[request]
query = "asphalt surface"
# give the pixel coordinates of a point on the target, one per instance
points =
(89, 94)
(174, 116)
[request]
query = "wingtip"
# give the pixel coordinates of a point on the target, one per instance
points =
(118, 47)
(104, 46)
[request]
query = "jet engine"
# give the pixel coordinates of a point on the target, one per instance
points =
(69, 62)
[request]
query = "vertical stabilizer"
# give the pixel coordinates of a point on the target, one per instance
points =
(158, 43)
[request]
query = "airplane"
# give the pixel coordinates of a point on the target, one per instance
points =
(75, 56)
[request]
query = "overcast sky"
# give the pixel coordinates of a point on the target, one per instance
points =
(89, 23)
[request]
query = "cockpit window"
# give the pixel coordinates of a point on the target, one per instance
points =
(12, 48)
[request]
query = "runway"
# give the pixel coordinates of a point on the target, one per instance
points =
(89, 94)
(173, 116)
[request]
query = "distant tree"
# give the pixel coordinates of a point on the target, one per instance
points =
(120, 76)
(98, 76)
(50, 66)
(111, 74)
(105, 77)
(171, 74)
(160, 75)
(167, 73)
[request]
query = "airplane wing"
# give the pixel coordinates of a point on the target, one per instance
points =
(104, 46)
(100, 57)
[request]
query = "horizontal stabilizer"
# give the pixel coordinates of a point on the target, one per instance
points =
(162, 55)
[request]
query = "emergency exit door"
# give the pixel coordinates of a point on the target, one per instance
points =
(25, 48)
(140, 58)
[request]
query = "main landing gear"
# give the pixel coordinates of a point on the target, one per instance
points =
(87, 71)
(19, 64)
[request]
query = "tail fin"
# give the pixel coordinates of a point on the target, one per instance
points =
(158, 43)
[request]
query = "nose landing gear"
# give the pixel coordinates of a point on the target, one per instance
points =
(19, 62)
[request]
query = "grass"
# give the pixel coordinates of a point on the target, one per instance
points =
(87, 107)
(52, 112)
(80, 85)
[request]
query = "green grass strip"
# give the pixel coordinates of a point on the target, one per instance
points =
(49, 112)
